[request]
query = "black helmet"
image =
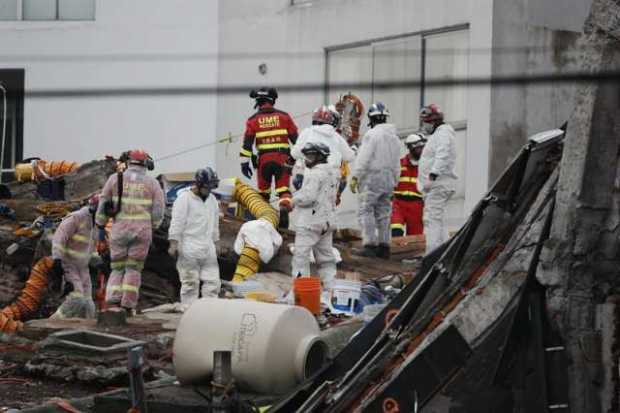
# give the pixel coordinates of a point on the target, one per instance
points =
(206, 178)
(264, 95)
(319, 149)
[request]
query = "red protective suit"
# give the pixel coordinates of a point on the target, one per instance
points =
(407, 206)
(273, 132)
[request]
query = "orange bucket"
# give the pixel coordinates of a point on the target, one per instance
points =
(308, 293)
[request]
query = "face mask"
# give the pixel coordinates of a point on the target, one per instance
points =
(205, 192)
(428, 127)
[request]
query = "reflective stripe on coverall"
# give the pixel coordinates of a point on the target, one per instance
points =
(439, 158)
(142, 209)
(272, 131)
(407, 204)
(315, 205)
(73, 244)
(377, 168)
(195, 225)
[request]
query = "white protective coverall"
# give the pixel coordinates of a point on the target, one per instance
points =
(261, 235)
(377, 168)
(339, 149)
(315, 205)
(439, 158)
(195, 225)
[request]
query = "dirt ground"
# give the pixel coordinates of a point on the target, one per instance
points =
(19, 392)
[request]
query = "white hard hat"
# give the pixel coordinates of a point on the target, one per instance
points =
(415, 139)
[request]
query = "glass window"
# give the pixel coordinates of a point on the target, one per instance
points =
(76, 9)
(39, 10)
(8, 132)
(8, 9)
(397, 61)
(353, 65)
(447, 57)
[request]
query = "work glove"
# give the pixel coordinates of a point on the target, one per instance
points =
(173, 249)
(289, 163)
(246, 170)
(298, 181)
(354, 184)
(255, 161)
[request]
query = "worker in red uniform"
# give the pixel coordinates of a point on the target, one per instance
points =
(407, 205)
(273, 132)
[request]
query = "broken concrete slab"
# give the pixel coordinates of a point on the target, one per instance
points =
(114, 317)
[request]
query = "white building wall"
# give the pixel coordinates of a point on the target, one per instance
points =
(130, 44)
(291, 40)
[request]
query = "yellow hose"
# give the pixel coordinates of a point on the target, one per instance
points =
(249, 198)
(40, 170)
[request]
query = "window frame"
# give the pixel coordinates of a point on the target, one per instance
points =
(460, 124)
(20, 15)
(13, 81)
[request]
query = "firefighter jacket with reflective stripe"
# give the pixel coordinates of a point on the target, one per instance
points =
(142, 200)
(74, 239)
(407, 187)
(271, 130)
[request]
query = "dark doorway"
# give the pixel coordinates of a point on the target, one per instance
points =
(11, 124)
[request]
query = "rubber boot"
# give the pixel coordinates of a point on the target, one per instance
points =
(383, 251)
(283, 219)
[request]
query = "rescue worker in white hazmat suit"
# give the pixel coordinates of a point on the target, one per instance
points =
(315, 206)
(322, 131)
(193, 231)
(436, 176)
(376, 173)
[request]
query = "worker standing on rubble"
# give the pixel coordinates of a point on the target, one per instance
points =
(407, 205)
(193, 232)
(437, 178)
(376, 172)
(135, 201)
(315, 205)
(272, 131)
(323, 130)
(72, 247)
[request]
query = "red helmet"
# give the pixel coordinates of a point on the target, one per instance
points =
(431, 113)
(323, 116)
(93, 203)
(138, 156)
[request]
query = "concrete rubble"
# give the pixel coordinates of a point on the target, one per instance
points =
(29, 233)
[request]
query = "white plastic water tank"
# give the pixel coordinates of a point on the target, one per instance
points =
(274, 346)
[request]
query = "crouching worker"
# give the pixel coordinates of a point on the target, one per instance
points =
(72, 248)
(315, 205)
(193, 231)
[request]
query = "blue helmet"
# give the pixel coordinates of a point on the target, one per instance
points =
(378, 109)
(206, 178)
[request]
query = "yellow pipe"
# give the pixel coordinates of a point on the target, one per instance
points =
(40, 170)
(249, 198)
